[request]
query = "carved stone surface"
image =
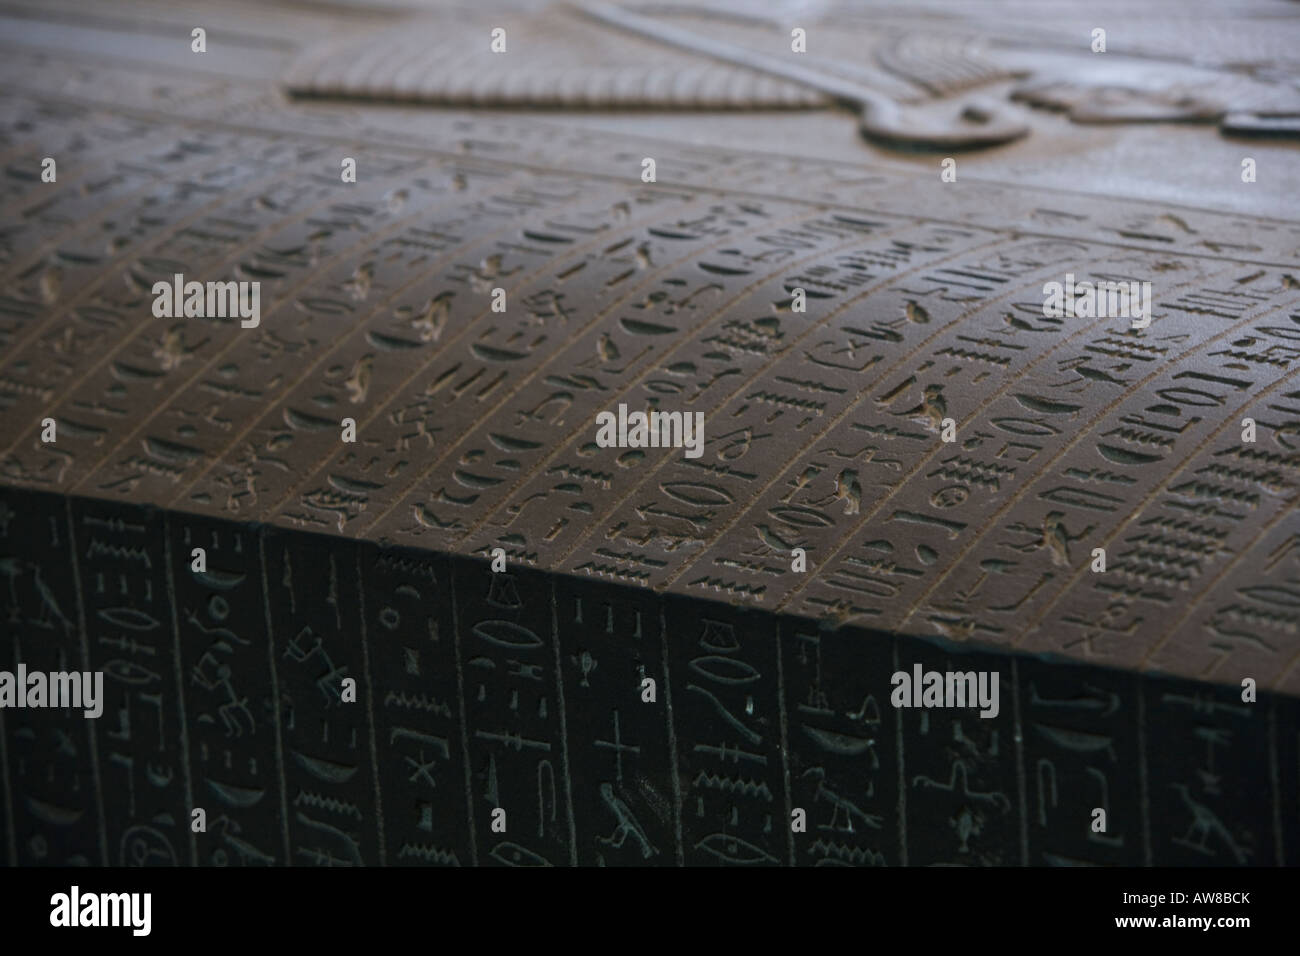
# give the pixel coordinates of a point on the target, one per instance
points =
(560, 59)
(520, 690)
(592, 55)
(476, 430)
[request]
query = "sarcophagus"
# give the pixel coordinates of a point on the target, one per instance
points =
(441, 486)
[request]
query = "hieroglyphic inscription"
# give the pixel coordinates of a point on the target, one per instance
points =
(1081, 745)
(960, 770)
(514, 717)
(523, 692)
(731, 750)
(232, 725)
(625, 787)
(416, 702)
(475, 426)
(122, 559)
(844, 748)
(314, 611)
(479, 691)
(52, 808)
(1218, 752)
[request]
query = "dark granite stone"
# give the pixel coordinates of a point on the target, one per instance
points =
(522, 691)
(652, 679)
